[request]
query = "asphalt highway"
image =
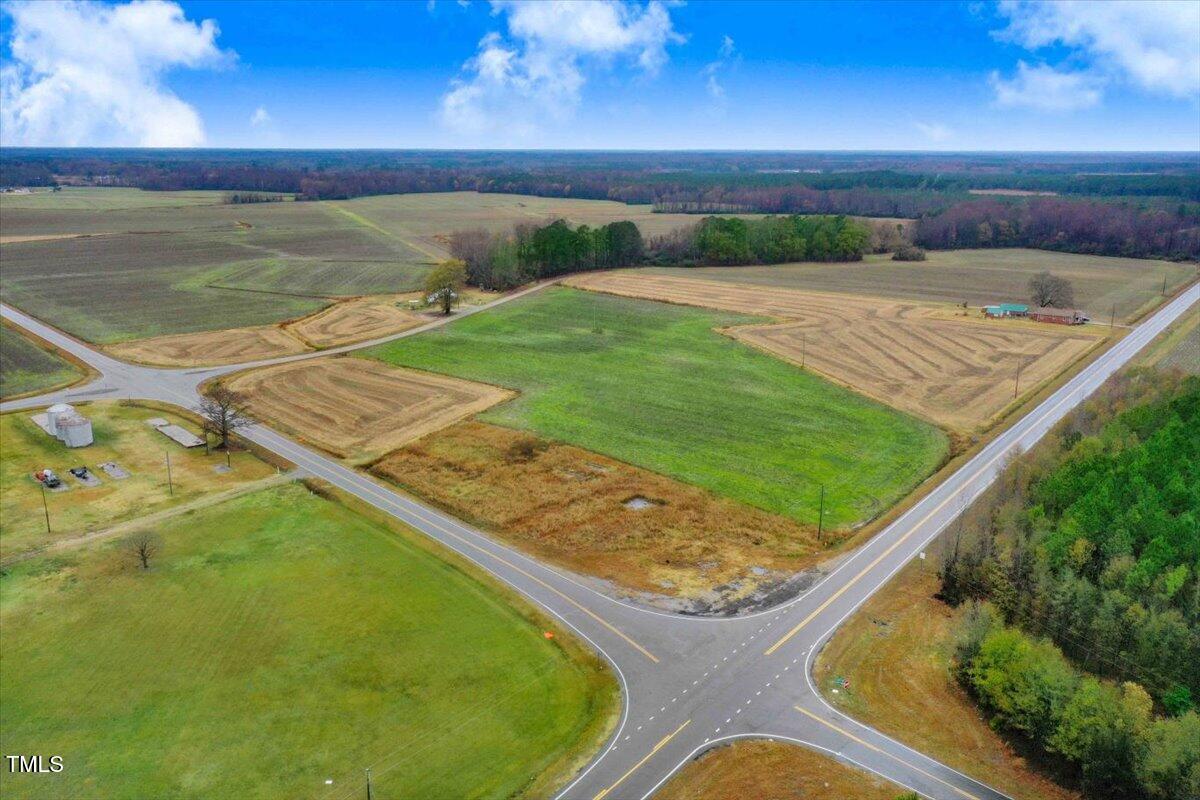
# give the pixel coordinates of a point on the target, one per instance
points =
(689, 683)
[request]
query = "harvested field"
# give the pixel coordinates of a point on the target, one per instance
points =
(568, 505)
(956, 372)
(354, 321)
(775, 770)
(231, 346)
(359, 409)
(1178, 347)
(978, 277)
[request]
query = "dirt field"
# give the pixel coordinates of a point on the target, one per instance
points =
(774, 770)
(895, 651)
(359, 409)
(354, 321)
(212, 347)
(568, 505)
(956, 372)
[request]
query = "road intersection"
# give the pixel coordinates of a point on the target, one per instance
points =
(689, 683)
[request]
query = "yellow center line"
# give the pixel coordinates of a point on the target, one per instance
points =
(379, 493)
(661, 744)
(845, 586)
(870, 746)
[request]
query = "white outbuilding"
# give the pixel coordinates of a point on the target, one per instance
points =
(56, 412)
(75, 430)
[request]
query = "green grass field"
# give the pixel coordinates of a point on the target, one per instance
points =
(280, 640)
(658, 388)
(1133, 285)
(27, 367)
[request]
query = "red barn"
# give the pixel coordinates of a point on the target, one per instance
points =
(1059, 316)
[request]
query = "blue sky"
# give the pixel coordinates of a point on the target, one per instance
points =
(848, 75)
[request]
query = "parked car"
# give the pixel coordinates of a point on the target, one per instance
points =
(48, 478)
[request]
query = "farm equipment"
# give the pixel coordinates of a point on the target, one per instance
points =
(48, 478)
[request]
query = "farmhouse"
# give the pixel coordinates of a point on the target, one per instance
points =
(1059, 316)
(997, 310)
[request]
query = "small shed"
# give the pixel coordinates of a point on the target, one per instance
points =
(56, 412)
(75, 430)
(1058, 316)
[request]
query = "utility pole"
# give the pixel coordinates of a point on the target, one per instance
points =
(227, 464)
(45, 507)
(170, 483)
(1112, 320)
(821, 514)
(369, 796)
(803, 349)
(1017, 380)
(1164, 289)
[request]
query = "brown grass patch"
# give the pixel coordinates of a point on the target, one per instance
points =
(764, 769)
(207, 348)
(354, 321)
(567, 505)
(359, 409)
(896, 652)
(956, 372)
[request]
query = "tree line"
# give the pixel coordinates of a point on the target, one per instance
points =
(1159, 217)
(532, 252)
(1085, 553)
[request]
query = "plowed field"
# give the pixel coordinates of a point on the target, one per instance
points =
(360, 409)
(957, 372)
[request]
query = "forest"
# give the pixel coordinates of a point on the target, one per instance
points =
(1081, 568)
(531, 252)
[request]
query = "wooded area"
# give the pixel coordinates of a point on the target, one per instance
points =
(1086, 553)
(530, 252)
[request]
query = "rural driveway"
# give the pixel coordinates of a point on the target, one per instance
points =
(689, 683)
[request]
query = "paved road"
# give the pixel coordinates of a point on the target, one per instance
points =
(689, 683)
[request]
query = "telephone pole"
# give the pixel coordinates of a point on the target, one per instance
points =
(369, 796)
(803, 349)
(170, 483)
(45, 507)
(821, 514)
(1017, 380)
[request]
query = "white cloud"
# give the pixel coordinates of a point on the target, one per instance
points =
(934, 131)
(537, 72)
(1046, 89)
(260, 117)
(1151, 45)
(725, 54)
(87, 73)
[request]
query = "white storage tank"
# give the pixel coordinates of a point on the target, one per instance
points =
(75, 431)
(56, 412)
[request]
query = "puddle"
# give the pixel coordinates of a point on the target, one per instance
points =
(639, 503)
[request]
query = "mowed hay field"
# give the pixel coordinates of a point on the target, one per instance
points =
(775, 770)
(571, 506)
(954, 372)
(121, 435)
(359, 409)
(896, 653)
(344, 322)
(280, 640)
(653, 385)
(27, 367)
(978, 277)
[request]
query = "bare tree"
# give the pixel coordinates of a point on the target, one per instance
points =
(144, 546)
(1050, 290)
(224, 411)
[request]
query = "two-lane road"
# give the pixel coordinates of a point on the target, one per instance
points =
(688, 683)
